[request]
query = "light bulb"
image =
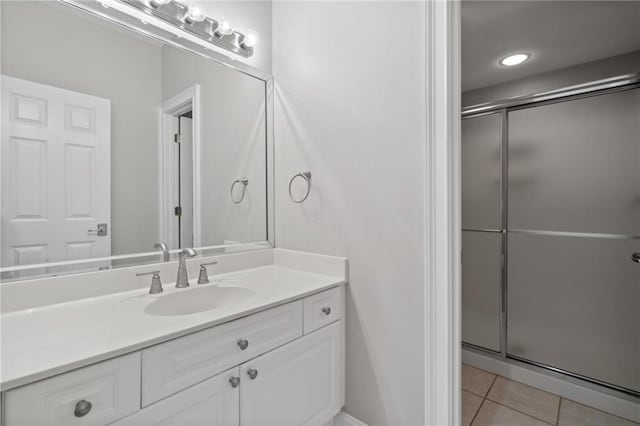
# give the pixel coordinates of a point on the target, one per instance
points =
(158, 3)
(516, 59)
(250, 40)
(224, 28)
(195, 14)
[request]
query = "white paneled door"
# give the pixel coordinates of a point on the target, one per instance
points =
(56, 174)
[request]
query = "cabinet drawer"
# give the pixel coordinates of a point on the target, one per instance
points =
(170, 367)
(323, 308)
(105, 392)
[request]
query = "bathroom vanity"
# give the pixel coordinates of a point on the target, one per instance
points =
(262, 344)
(127, 143)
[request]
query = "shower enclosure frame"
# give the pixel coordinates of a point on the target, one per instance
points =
(503, 107)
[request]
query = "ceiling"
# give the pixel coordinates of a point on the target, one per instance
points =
(558, 34)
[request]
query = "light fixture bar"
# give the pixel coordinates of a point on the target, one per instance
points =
(193, 21)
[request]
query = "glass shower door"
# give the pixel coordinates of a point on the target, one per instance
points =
(481, 234)
(573, 224)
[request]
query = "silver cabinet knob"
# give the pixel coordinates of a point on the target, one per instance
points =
(636, 257)
(252, 373)
(326, 310)
(82, 408)
(234, 381)
(243, 343)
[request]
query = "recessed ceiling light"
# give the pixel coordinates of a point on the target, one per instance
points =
(516, 59)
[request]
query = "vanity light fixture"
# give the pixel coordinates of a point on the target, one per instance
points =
(515, 59)
(223, 28)
(158, 3)
(194, 14)
(250, 40)
(194, 21)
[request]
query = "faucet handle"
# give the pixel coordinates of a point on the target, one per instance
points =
(156, 283)
(203, 277)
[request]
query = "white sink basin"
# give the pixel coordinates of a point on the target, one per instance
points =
(199, 299)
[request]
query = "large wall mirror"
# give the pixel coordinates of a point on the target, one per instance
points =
(117, 144)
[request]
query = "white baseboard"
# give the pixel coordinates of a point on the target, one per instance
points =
(344, 419)
(619, 406)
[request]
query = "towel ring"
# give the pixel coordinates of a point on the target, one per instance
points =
(244, 181)
(307, 177)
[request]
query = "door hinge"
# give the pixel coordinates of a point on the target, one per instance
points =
(177, 211)
(177, 137)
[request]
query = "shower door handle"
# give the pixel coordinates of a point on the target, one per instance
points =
(636, 257)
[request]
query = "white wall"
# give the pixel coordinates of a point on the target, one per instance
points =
(351, 108)
(583, 73)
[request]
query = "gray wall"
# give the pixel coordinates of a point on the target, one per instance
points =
(64, 48)
(351, 107)
(584, 73)
(233, 144)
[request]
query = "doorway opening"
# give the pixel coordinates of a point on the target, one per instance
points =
(549, 166)
(180, 170)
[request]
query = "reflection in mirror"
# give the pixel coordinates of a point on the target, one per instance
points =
(113, 141)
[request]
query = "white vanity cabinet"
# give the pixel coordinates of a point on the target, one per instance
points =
(172, 366)
(282, 366)
(298, 384)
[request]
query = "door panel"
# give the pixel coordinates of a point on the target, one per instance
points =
(56, 173)
(481, 141)
(575, 166)
(481, 287)
(573, 304)
(186, 182)
(296, 385)
(214, 402)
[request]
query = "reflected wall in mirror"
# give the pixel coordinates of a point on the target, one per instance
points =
(113, 141)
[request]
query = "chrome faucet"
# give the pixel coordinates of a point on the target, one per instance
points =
(162, 246)
(183, 278)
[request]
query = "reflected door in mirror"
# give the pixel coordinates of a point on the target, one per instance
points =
(56, 149)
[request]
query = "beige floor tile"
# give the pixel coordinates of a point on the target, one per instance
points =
(492, 414)
(574, 414)
(476, 381)
(470, 405)
(531, 401)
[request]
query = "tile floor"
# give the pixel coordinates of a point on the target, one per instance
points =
(490, 400)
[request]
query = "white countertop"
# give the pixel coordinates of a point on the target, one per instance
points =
(41, 342)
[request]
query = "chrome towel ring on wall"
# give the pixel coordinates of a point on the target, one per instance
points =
(244, 181)
(307, 177)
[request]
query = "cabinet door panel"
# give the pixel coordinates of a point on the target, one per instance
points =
(573, 304)
(110, 390)
(213, 402)
(481, 171)
(575, 166)
(298, 384)
(481, 288)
